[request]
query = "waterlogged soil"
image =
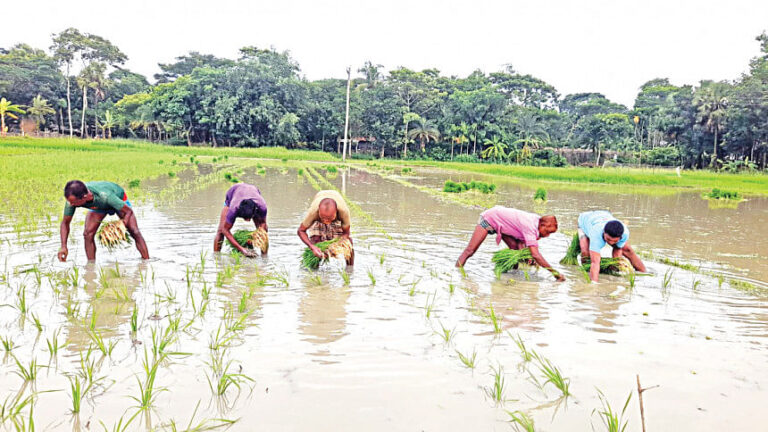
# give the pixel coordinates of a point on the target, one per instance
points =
(321, 354)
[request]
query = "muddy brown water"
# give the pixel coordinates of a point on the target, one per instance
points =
(328, 356)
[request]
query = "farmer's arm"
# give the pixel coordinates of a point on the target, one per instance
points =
(129, 219)
(594, 266)
(302, 232)
(225, 229)
(536, 254)
(64, 232)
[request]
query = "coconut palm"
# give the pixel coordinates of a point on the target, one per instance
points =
(459, 136)
(92, 76)
(711, 101)
(39, 109)
(496, 149)
(408, 117)
(10, 110)
(424, 131)
(530, 130)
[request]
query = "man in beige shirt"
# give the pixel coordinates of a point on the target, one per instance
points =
(326, 219)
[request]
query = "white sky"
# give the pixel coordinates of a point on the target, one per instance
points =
(607, 46)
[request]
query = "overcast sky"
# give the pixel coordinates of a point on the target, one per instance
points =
(607, 46)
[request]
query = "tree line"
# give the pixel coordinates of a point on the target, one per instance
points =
(79, 87)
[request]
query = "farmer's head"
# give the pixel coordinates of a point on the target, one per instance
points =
(77, 193)
(248, 209)
(613, 232)
(326, 211)
(547, 225)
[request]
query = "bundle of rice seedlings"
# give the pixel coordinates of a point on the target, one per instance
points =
(113, 234)
(574, 250)
(336, 248)
(540, 196)
(258, 239)
(506, 259)
(612, 266)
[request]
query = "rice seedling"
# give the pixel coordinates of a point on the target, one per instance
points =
(469, 360)
(316, 279)
(27, 373)
(21, 300)
(429, 304)
(147, 391)
(76, 392)
(133, 184)
(552, 374)
(53, 344)
(525, 353)
(505, 260)
(243, 305)
(612, 420)
(344, 276)
(221, 338)
(371, 276)
(540, 195)
(446, 334)
(667, 280)
(281, 277)
(723, 194)
(203, 425)
(695, 284)
(495, 319)
(336, 248)
(223, 380)
(105, 347)
(521, 421)
(12, 408)
(496, 391)
(258, 239)
(120, 426)
(113, 234)
(37, 323)
(74, 277)
(135, 319)
(631, 278)
(8, 343)
(458, 187)
(171, 174)
(574, 250)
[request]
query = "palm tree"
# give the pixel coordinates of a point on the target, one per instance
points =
(106, 127)
(372, 73)
(497, 149)
(39, 109)
(459, 136)
(10, 110)
(424, 131)
(408, 117)
(92, 77)
(530, 130)
(711, 101)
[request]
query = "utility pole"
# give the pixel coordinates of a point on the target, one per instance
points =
(346, 121)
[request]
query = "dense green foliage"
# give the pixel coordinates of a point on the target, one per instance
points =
(260, 99)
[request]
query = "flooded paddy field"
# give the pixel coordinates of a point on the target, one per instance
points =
(402, 341)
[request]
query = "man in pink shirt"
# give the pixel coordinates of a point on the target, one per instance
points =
(518, 229)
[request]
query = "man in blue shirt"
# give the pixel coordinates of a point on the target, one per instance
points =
(600, 228)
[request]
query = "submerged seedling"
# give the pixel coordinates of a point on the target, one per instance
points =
(446, 333)
(552, 374)
(495, 319)
(371, 276)
(525, 353)
(8, 343)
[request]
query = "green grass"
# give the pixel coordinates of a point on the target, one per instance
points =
(468, 360)
(612, 420)
(658, 179)
(552, 374)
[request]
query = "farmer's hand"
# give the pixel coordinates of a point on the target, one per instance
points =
(63, 252)
(560, 278)
(249, 253)
(316, 250)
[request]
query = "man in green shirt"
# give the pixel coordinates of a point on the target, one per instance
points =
(101, 198)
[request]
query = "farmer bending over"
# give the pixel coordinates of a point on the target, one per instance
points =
(244, 201)
(101, 198)
(598, 228)
(518, 229)
(327, 219)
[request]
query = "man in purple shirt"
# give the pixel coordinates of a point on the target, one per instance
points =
(518, 229)
(242, 201)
